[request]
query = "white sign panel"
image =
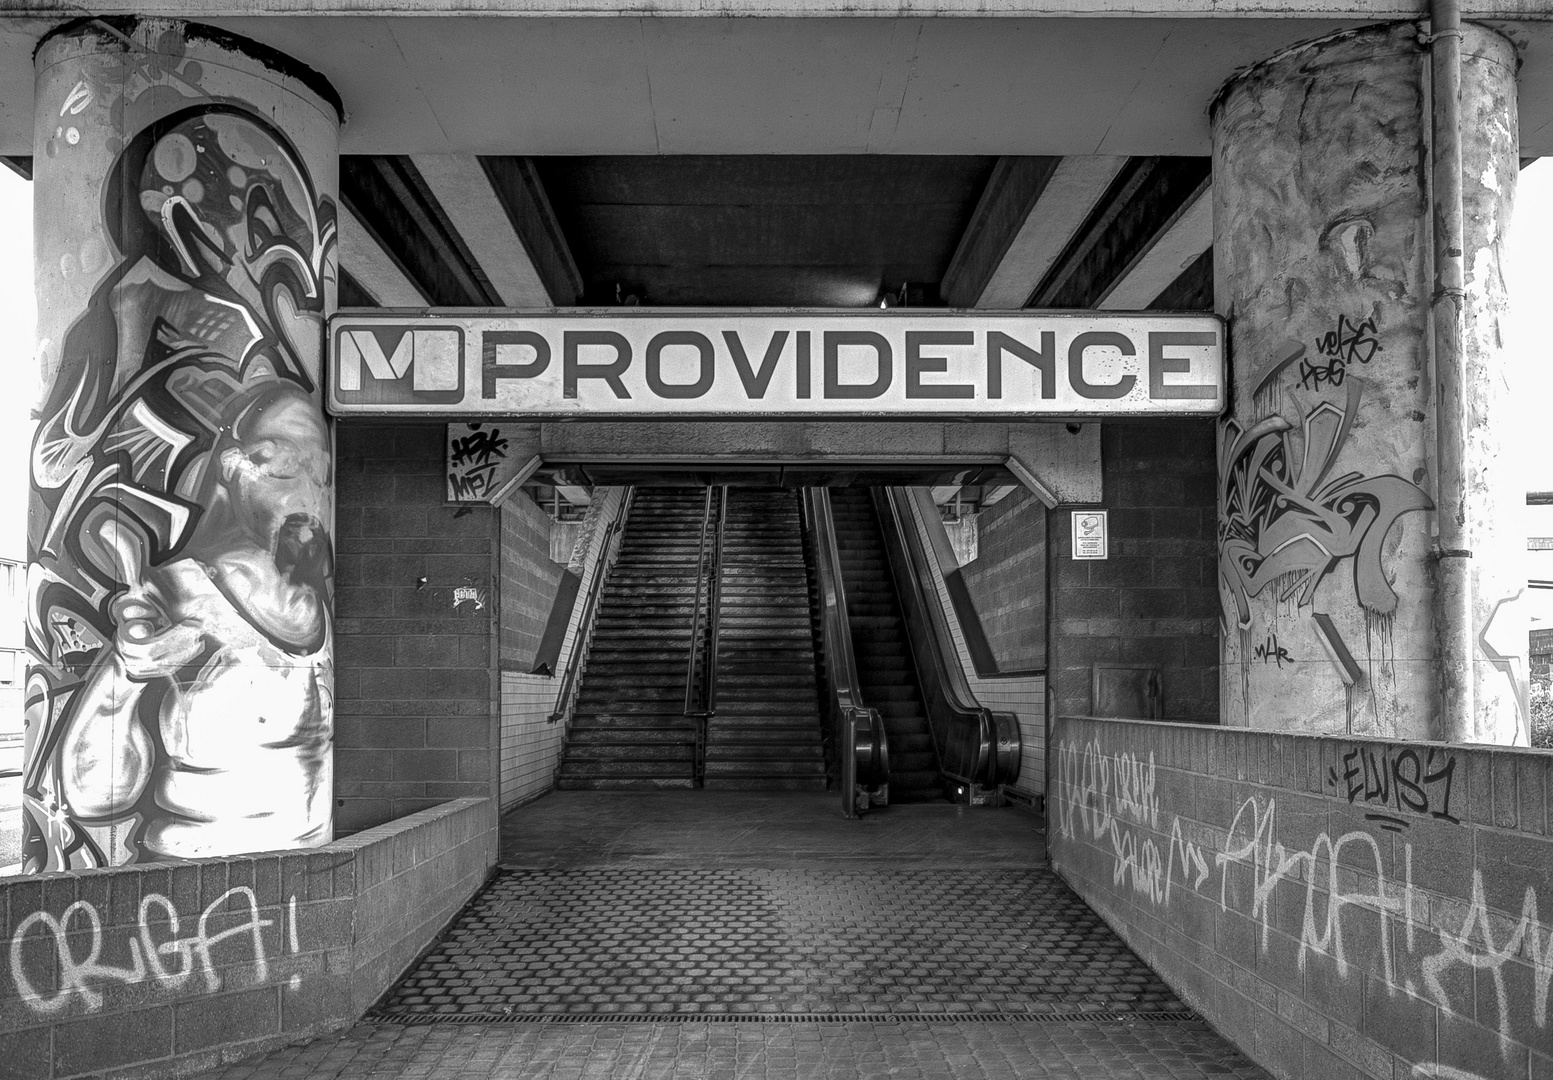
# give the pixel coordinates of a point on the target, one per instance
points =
(794, 364)
(1089, 534)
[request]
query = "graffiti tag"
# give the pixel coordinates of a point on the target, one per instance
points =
(169, 963)
(1270, 651)
(473, 460)
(1340, 348)
(1356, 886)
(1399, 778)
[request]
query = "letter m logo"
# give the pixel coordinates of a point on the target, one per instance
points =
(398, 365)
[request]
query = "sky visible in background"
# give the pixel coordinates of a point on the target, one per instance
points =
(1529, 270)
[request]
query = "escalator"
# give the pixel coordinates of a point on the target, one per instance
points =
(886, 672)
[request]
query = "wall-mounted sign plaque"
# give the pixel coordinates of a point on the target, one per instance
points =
(684, 363)
(1090, 534)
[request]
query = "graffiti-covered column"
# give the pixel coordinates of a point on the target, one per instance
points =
(1327, 461)
(180, 696)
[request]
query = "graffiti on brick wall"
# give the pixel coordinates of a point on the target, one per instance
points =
(1114, 798)
(1358, 885)
(475, 453)
(1287, 520)
(59, 959)
(1403, 778)
(180, 699)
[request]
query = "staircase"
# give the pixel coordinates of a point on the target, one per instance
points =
(883, 655)
(629, 729)
(766, 732)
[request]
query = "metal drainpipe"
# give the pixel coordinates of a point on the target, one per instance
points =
(1453, 581)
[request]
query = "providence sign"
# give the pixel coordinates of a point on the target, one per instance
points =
(775, 364)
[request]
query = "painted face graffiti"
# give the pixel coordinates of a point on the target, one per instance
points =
(180, 578)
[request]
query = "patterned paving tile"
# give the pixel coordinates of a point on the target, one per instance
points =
(763, 940)
(909, 1050)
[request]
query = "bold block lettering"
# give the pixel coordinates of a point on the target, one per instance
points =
(835, 340)
(572, 369)
(1093, 340)
(916, 363)
(801, 375)
(755, 382)
(491, 366)
(1159, 363)
(708, 361)
(1043, 360)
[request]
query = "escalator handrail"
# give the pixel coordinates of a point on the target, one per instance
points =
(859, 730)
(581, 643)
(993, 736)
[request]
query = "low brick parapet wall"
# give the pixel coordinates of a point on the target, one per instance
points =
(1339, 907)
(164, 970)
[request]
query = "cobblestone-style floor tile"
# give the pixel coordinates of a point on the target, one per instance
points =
(928, 1050)
(777, 940)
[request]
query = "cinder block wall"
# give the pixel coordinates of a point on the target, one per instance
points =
(1156, 599)
(528, 581)
(1007, 581)
(272, 947)
(1340, 908)
(415, 677)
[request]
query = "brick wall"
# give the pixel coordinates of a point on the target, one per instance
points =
(1155, 600)
(1339, 908)
(415, 681)
(528, 581)
(1007, 581)
(321, 934)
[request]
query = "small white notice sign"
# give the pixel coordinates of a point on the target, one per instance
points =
(1089, 534)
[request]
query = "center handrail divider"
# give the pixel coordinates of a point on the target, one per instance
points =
(696, 685)
(714, 606)
(862, 747)
(583, 640)
(978, 749)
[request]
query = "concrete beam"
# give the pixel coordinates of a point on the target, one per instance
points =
(1055, 207)
(372, 267)
(1185, 237)
(1012, 192)
(1146, 197)
(1059, 463)
(463, 190)
(518, 190)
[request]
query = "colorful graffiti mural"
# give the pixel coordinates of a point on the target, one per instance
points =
(180, 701)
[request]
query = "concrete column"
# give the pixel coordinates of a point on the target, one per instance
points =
(180, 698)
(1327, 460)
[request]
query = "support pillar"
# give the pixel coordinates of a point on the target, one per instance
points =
(1328, 464)
(180, 694)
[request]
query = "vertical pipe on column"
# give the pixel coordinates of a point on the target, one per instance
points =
(1453, 583)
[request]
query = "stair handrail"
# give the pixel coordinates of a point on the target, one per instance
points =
(714, 607)
(692, 683)
(862, 747)
(978, 748)
(582, 642)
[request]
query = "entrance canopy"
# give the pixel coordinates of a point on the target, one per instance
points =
(776, 365)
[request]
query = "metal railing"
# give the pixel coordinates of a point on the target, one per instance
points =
(701, 661)
(582, 643)
(862, 747)
(978, 749)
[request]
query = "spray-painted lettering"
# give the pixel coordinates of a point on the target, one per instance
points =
(1397, 777)
(159, 950)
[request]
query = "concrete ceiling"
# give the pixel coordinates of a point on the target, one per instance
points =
(632, 85)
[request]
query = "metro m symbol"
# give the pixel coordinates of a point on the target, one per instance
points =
(398, 365)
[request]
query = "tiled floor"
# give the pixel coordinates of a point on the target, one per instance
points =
(692, 934)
